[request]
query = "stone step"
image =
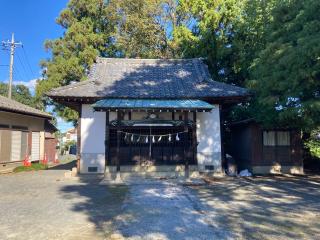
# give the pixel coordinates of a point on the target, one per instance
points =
(157, 174)
(163, 168)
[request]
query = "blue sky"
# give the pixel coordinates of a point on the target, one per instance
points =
(32, 21)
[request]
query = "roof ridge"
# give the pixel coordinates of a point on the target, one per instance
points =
(151, 59)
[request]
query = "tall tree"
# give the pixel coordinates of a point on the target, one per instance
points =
(286, 73)
(100, 28)
(139, 32)
(86, 36)
(211, 34)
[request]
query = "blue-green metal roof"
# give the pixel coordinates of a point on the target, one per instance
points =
(152, 104)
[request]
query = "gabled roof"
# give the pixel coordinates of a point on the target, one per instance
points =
(10, 105)
(149, 78)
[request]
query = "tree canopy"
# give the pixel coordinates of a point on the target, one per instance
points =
(286, 72)
(20, 93)
(272, 47)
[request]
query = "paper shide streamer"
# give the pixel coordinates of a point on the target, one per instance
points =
(153, 138)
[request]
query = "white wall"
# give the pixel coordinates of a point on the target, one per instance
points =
(208, 136)
(93, 126)
(93, 138)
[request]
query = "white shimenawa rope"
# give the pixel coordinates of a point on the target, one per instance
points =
(154, 135)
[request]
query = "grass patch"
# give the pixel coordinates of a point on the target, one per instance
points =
(33, 167)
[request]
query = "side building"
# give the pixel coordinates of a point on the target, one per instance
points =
(265, 150)
(22, 133)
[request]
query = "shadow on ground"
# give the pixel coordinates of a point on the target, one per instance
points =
(266, 207)
(65, 166)
(101, 204)
(258, 208)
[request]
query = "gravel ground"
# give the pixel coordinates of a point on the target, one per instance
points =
(45, 205)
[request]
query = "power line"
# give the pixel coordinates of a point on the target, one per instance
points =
(28, 62)
(17, 73)
(23, 65)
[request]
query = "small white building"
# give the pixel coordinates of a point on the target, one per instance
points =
(149, 115)
(70, 135)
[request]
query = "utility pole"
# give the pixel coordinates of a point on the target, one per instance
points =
(12, 45)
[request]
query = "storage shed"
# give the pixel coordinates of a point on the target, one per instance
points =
(265, 150)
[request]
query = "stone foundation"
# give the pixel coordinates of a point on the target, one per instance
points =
(277, 169)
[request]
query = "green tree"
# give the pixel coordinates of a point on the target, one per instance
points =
(20, 93)
(313, 143)
(99, 28)
(286, 73)
(85, 37)
(139, 30)
(211, 34)
(250, 37)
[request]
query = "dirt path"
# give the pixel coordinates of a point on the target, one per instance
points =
(165, 210)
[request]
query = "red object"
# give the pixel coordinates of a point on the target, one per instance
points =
(45, 159)
(26, 161)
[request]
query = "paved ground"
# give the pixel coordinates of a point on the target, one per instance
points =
(45, 205)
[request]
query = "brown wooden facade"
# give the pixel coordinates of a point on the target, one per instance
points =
(250, 151)
(122, 151)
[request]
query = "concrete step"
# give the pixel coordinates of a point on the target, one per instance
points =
(150, 175)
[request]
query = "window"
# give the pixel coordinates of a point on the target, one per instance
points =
(283, 138)
(276, 138)
(269, 138)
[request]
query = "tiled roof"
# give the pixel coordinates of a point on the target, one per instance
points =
(149, 78)
(10, 105)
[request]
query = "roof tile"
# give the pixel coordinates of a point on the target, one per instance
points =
(149, 78)
(7, 104)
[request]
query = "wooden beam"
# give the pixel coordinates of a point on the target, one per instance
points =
(79, 140)
(194, 138)
(118, 143)
(107, 140)
(223, 159)
(186, 145)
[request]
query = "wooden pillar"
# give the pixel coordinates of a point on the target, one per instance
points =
(29, 144)
(171, 144)
(223, 159)
(118, 142)
(186, 145)
(194, 138)
(107, 140)
(79, 141)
